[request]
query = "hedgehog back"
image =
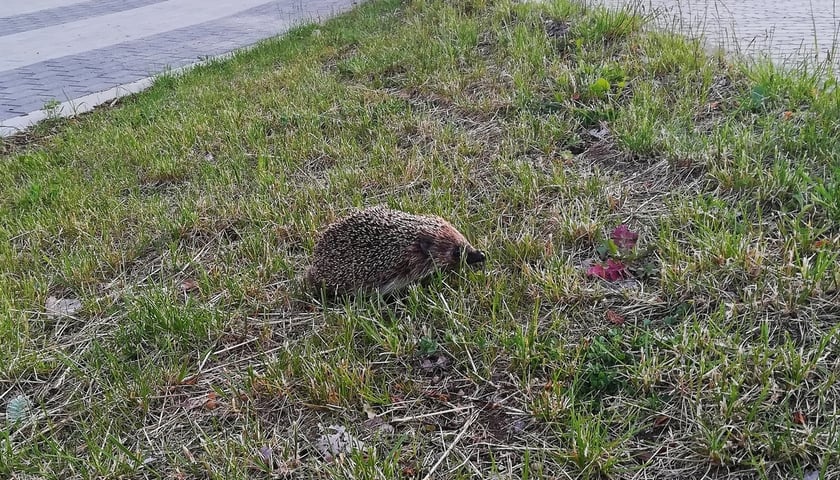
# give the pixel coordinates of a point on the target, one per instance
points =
(369, 249)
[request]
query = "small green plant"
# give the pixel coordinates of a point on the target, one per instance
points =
(52, 108)
(599, 87)
(604, 361)
(17, 410)
(427, 346)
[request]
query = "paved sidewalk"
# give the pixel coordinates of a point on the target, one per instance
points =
(67, 50)
(789, 31)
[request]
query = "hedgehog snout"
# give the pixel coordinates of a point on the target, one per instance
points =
(475, 257)
(467, 254)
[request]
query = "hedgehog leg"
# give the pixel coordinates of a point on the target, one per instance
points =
(393, 285)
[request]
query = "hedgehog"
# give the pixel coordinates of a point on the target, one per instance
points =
(380, 250)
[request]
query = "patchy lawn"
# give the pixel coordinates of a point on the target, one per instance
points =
(551, 135)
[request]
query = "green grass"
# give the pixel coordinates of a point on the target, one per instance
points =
(183, 218)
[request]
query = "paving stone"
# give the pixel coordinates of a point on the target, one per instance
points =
(787, 31)
(104, 68)
(784, 30)
(67, 13)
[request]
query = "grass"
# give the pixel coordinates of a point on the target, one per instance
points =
(183, 218)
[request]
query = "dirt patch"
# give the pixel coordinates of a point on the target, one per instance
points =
(345, 52)
(19, 142)
(432, 102)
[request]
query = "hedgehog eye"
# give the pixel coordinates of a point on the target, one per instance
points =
(456, 253)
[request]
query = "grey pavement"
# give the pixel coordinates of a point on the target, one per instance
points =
(82, 53)
(787, 31)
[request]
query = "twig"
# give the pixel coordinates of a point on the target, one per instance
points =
(219, 352)
(246, 359)
(463, 431)
(427, 415)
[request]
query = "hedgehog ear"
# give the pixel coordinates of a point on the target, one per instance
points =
(425, 244)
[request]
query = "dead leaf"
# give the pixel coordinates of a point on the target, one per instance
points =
(332, 445)
(787, 115)
(378, 424)
(812, 475)
(368, 410)
(799, 418)
(189, 285)
(58, 307)
(661, 420)
(624, 237)
(441, 397)
(211, 402)
(714, 106)
(614, 318)
(601, 133)
(434, 361)
(519, 425)
(266, 454)
(208, 402)
(613, 203)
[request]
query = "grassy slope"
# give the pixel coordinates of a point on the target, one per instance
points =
(727, 360)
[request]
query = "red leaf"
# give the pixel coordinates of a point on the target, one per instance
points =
(614, 318)
(613, 270)
(624, 237)
(597, 271)
(799, 418)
